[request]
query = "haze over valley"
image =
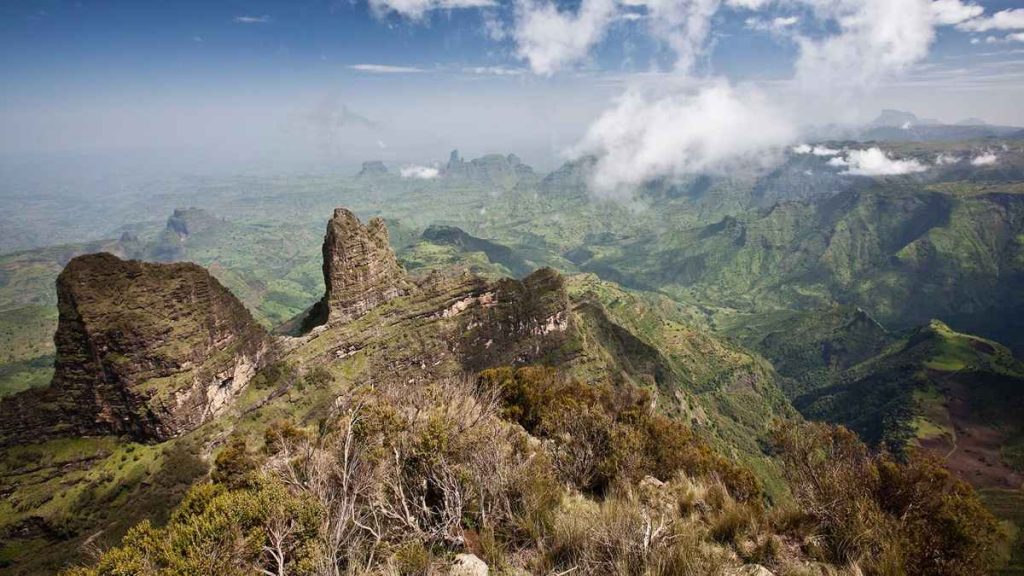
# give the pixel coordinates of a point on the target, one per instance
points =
(473, 287)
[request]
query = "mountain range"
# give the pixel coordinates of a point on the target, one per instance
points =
(718, 309)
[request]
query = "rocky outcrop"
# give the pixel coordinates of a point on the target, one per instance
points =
(516, 322)
(144, 350)
(373, 169)
(360, 268)
(468, 565)
(187, 221)
(492, 169)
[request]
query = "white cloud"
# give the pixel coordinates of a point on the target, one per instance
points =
(747, 4)
(1017, 37)
(252, 19)
(494, 71)
(875, 162)
(419, 172)
(1012, 19)
(986, 159)
(949, 12)
(876, 39)
(385, 69)
(946, 159)
(551, 39)
(818, 150)
(416, 9)
(777, 25)
(647, 135)
(682, 25)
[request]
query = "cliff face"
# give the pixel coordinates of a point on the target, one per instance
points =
(145, 350)
(360, 268)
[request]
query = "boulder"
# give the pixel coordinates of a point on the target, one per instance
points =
(468, 565)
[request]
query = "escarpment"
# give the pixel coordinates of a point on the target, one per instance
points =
(144, 350)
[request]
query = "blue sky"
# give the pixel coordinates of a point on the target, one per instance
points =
(406, 79)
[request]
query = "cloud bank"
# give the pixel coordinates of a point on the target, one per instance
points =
(649, 135)
(987, 159)
(419, 172)
(875, 162)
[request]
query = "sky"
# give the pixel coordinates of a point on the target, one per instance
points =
(651, 87)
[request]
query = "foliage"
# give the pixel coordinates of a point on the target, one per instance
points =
(909, 517)
(235, 464)
(220, 531)
(602, 434)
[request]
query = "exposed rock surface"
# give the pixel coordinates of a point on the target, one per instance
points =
(373, 168)
(360, 268)
(146, 350)
(468, 565)
(516, 321)
(492, 169)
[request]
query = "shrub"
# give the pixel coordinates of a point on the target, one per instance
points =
(317, 377)
(602, 434)
(909, 517)
(234, 465)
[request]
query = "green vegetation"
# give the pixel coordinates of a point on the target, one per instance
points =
(701, 313)
(891, 516)
(400, 481)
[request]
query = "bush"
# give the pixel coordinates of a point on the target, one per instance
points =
(220, 531)
(234, 465)
(602, 434)
(318, 377)
(909, 517)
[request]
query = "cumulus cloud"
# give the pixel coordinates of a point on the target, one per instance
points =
(551, 39)
(647, 134)
(682, 25)
(946, 159)
(708, 128)
(986, 159)
(876, 39)
(1012, 19)
(419, 172)
(416, 9)
(252, 19)
(875, 162)
(385, 69)
(948, 12)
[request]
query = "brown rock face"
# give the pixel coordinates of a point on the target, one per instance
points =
(360, 268)
(146, 350)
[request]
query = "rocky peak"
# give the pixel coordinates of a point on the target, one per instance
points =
(145, 350)
(360, 268)
(373, 168)
(454, 159)
(187, 221)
